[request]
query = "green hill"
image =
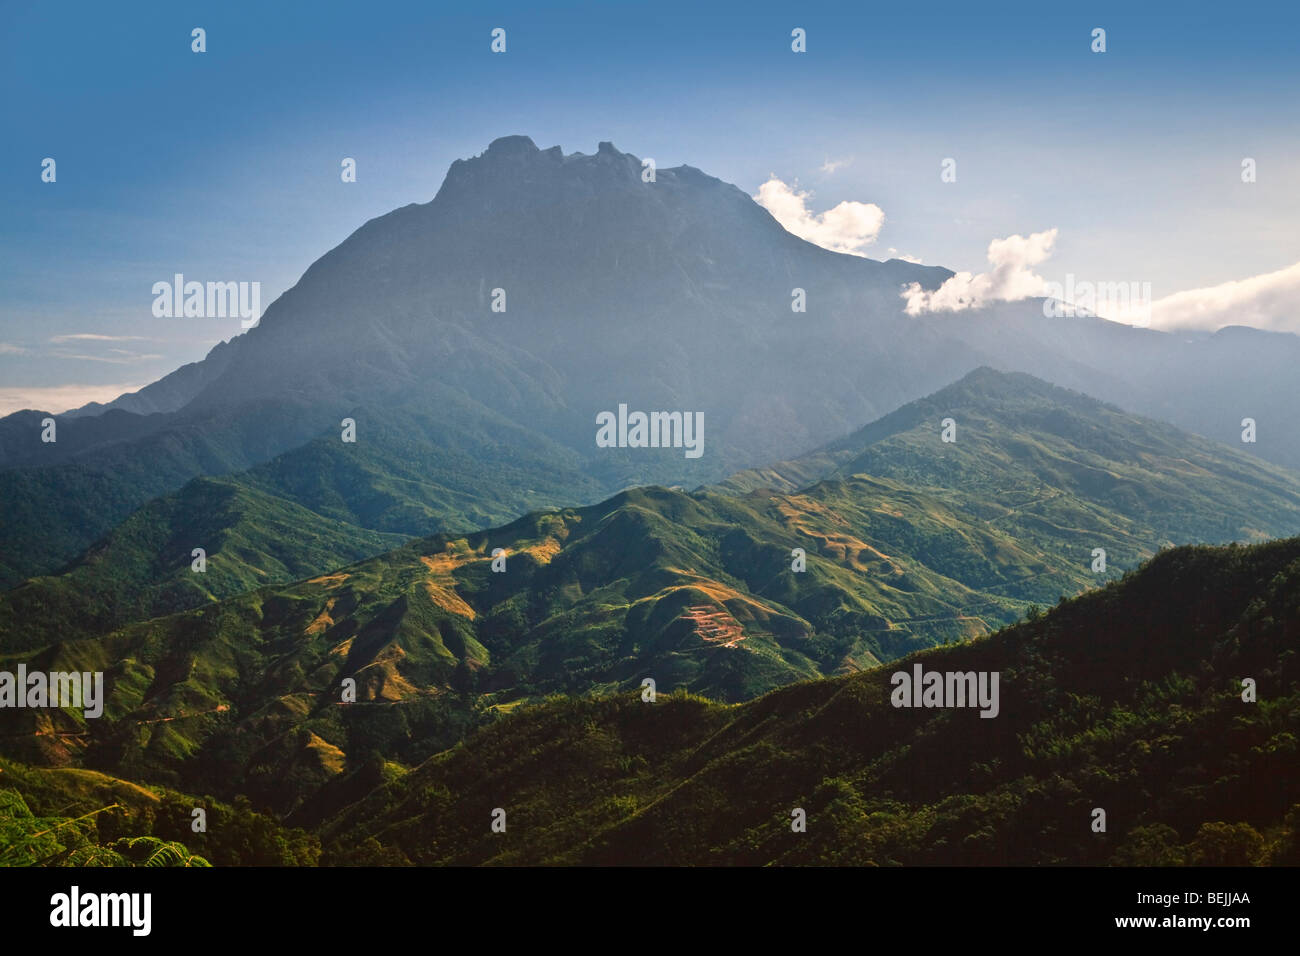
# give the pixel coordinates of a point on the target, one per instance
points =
(73, 817)
(1054, 467)
(1127, 699)
(315, 508)
(420, 463)
(143, 568)
(1053, 471)
(697, 591)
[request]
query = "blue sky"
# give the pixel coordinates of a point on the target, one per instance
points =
(225, 165)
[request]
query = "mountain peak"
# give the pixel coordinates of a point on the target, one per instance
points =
(519, 146)
(516, 161)
(512, 146)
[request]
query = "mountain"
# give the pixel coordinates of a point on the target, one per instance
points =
(448, 464)
(697, 590)
(243, 695)
(1040, 464)
(1148, 724)
(1052, 466)
(1127, 699)
(362, 498)
(616, 294)
(144, 567)
(673, 295)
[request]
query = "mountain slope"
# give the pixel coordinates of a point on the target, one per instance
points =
(1052, 467)
(693, 590)
(399, 318)
(363, 497)
(670, 295)
(442, 463)
(243, 696)
(1047, 468)
(71, 817)
(1147, 723)
(144, 568)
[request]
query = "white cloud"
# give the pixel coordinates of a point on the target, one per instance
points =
(845, 228)
(1268, 301)
(895, 254)
(59, 398)
(94, 337)
(1011, 278)
(124, 358)
(7, 349)
(831, 165)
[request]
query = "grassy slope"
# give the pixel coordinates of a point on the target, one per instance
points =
(1055, 468)
(1127, 698)
(318, 507)
(143, 569)
(592, 599)
(437, 462)
(1053, 471)
(74, 817)
(242, 695)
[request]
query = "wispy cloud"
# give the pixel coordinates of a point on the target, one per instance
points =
(831, 165)
(7, 349)
(1011, 278)
(95, 337)
(124, 358)
(845, 228)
